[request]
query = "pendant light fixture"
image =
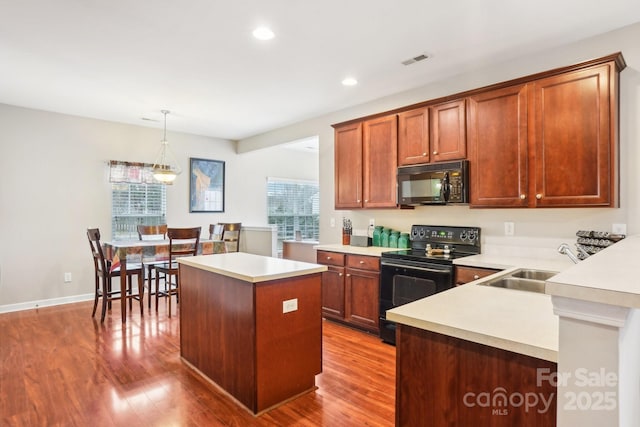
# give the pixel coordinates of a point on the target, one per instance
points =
(165, 168)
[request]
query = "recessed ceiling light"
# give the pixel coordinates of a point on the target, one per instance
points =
(263, 33)
(349, 81)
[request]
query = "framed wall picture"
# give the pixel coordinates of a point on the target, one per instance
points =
(206, 186)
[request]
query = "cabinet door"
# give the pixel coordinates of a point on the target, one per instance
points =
(448, 131)
(498, 150)
(362, 290)
(380, 154)
(333, 292)
(413, 137)
(348, 166)
(574, 154)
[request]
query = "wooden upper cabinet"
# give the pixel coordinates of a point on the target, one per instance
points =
(550, 142)
(348, 166)
(380, 162)
(413, 137)
(448, 131)
(574, 128)
(498, 150)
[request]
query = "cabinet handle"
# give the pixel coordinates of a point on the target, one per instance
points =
(340, 274)
(476, 277)
(366, 200)
(361, 262)
(424, 154)
(523, 196)
(538, 196)
(328, 257)
(348, 275)
(435, 152)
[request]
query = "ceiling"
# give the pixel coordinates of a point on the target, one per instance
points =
(124, 61)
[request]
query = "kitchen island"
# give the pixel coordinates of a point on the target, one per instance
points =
(252, 325)
(478, 355)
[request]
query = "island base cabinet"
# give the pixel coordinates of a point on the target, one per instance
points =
(446, 381)
(237, 334)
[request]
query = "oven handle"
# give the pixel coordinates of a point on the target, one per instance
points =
(411, 267)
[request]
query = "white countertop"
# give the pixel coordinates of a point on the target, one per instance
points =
(513, 320)
(504, 262)
(522, 321)
(609, 277)
(356, 250)
(252, 268)
(518, 321)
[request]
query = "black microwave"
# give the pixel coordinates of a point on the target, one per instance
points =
(434, 183)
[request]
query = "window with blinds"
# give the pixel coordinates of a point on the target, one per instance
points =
(136, 198)
(293, 205)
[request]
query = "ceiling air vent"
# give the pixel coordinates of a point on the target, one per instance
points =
(415, 59)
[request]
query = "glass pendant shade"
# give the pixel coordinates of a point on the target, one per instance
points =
(165, 167)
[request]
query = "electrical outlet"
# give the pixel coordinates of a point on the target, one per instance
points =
(290, 305)
(372, 222)
(509, 228)
(619, 228)
(332, 222)
(67, 277)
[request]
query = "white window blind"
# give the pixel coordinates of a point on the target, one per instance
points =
(293, 205)
(136, 199)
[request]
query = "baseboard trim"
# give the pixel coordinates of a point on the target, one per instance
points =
(29, 305)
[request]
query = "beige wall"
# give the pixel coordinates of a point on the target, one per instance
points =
(538, 227)
(55, 185)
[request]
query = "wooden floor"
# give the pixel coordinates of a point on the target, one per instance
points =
(60, 367)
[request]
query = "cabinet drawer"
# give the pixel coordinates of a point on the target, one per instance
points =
(363, 262)
(330, 258)
(469, 274)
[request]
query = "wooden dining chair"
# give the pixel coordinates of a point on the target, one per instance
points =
(182, 242)
(104, 275)
(215, 231)
(151, 232)
(231, 235)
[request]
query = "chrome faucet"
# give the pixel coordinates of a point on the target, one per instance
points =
(565, 250)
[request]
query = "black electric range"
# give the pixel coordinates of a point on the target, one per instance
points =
(425, 269)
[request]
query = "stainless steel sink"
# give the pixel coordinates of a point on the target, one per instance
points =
(518, 284)
(534, 274)
(522, 280)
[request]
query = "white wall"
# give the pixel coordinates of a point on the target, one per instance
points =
(532, 226)
(55, 185)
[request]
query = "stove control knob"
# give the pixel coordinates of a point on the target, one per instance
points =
(472, 235)
(463, 235)
(421, 232)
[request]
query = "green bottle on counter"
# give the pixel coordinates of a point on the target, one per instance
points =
(385, 237)
(377, 235)
(393, 239)
(403, 241)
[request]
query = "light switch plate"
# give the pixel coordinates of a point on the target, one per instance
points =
(290, 305)
(67, 277)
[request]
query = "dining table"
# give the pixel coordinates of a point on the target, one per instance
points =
(121, 252)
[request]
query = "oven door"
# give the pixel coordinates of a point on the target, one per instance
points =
(402, 282)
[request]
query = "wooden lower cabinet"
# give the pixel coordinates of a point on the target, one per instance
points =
(446, 381)
(362, 303)
(464, 274)
(350, 289)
